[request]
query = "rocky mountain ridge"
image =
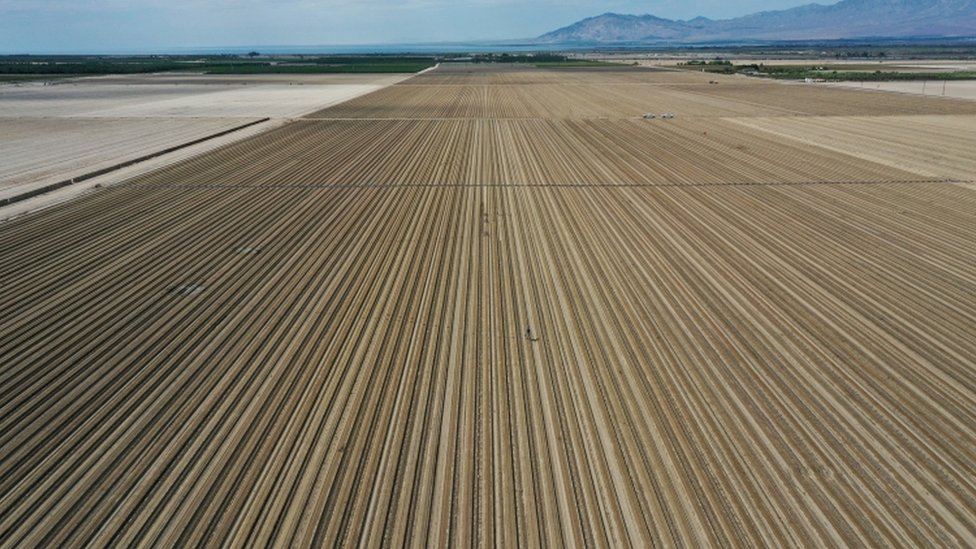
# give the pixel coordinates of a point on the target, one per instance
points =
(848, 19)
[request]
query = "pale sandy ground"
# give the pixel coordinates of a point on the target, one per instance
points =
(904, 66)
(933, 146)
(67, 193)
(274, 96)
(960, 89)
(944, 65)
(51, 133)
(41, 151)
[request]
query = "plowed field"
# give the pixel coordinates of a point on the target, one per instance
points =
(433, 315)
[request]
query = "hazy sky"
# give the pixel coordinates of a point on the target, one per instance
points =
(37, 26)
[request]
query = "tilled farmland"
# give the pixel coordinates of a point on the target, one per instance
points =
(431, 325)
(604, 94)
(936, 146)
(521, 152)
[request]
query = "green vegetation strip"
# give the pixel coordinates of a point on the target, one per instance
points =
(32, 77)
(27, 67)
(830, 73)
(18, 68)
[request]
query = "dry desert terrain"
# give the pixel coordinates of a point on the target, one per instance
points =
(55, 131)
(962, 89)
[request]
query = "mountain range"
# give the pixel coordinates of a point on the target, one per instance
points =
(848, 19)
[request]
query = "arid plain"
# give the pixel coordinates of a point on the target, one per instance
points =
(56, 130)
(493, 305)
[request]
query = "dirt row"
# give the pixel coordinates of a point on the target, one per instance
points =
(816, 100)
(521, 152)
(556, 95)
(353, 364)
(933, 146)
(547, 101)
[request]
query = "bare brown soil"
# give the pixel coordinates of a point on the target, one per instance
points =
(451, 325)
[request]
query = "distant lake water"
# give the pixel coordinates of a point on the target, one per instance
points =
(509, 47)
